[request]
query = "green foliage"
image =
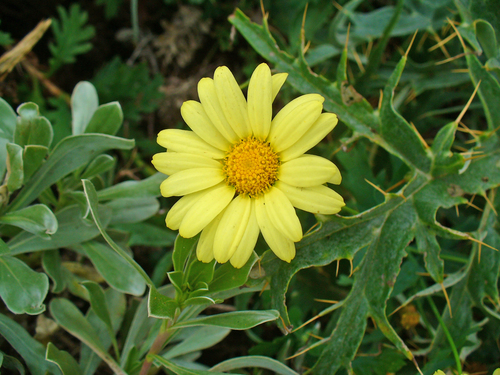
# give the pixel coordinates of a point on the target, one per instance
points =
(5, 39)
(111, 7)
(72, 35)
(132, 86)
(378, 238)
(71, 225)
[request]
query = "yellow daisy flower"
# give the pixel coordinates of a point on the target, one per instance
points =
(240, 172)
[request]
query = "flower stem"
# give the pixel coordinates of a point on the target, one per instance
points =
(161, 339)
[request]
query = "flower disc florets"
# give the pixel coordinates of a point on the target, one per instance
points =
(251, 167)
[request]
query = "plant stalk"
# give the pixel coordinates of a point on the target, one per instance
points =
(161, 339)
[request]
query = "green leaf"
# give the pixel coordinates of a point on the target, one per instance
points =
(486, 10)
(199, 273)
(66, 363)
(51, 262)
(67, 315)
(98, 302)
(15, 170)
(4, 249)
(396, 130)
(388, 361)
(5, 39)
(227, 277)
(428, 246)
(178, 370)
(32, 351)
(161, 306)
(117, 271)
(254, 361)
(133, 86)
(148, 234)
(73, 229)
(11, 363)
(116, 305)
(107, 119)
(485, 268)
(488, 91)
(68, 155)
(445, 161)
(91, 196)
(37, 219)
(31, 128)
(72, 36)
(198, 339)
(8, 120)
(100, 164)
(111, 7)
(183, 248)
(22, 289)
(33, 158)
(132, 210)
(486, 36)
(238, 320)
(84, 103)
(150, 187)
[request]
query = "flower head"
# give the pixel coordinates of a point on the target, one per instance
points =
(240, 172)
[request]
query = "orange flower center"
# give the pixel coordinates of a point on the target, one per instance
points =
(251, 166)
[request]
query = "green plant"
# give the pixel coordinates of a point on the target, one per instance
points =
(72, 35)
(404, 280)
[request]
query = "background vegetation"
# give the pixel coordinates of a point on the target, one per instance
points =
(404, 280)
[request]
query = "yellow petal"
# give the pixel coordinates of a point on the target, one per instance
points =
(321, 127)
(205, 210)
(282, 246)
(191, 180)
(173, 162)
(260, 110)
(176, 214)
(278, 81)
(232, 228)
(205, 247)
(232, 101)
(293, 121)
(317, 199)
(307, 170)
(247, 243)
(336, 178)
(186, 141)
(213, 109)
(193, 113)
(282, 214)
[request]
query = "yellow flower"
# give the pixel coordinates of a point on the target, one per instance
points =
(241, 172)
